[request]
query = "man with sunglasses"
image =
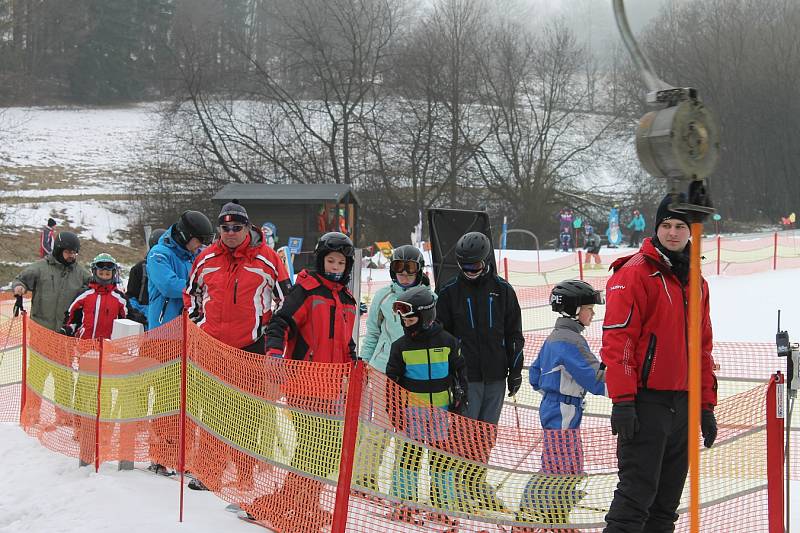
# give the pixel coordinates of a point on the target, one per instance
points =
(481, 310)
(232, 289)
(168, 265)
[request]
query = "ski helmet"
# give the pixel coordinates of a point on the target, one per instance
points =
(155, 235)
(193, 224)
(334, 242)
(472, 251)
(65, 240)
(105, 262)
(407, 259)
(568, 296)
(417, 301)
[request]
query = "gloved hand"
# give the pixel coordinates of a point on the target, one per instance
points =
(459, 404)
(624, 421)
(708, 425)
(68, 330)
(362, 308)
(514, 383)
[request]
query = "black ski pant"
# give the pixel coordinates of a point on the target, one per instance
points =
(652, 466)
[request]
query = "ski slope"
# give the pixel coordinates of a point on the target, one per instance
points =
(45, 492)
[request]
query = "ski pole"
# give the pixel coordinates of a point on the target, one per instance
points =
(18, 305)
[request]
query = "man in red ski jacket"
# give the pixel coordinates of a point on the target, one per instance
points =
(645, 350)
(232, 288)
(234, 282)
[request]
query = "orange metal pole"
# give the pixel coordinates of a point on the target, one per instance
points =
(695, 320)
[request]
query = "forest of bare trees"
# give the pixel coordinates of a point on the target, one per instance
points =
(453, 103)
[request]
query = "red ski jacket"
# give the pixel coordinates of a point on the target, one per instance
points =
(92, 313)
(315, 322)
(645, 331)
(230, 292)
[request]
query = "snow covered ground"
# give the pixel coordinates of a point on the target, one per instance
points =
(44, 491)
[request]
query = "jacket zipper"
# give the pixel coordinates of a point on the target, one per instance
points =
(490, 312)
(648, 359)
(469, 308)
(685, 330)
(430, 376)
(235, 287)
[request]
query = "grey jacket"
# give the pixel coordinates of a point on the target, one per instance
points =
(54, 287)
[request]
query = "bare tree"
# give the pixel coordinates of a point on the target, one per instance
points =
(541, 134)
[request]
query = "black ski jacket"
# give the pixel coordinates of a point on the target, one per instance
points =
(484, 315)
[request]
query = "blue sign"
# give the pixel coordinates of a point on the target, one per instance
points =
(294, 244)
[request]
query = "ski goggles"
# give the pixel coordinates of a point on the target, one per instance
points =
(233, 228)
(472, 267)
(404, 309)
(105, 266)
(398, 266)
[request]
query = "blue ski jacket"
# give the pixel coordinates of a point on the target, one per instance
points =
(563, 372)
(168, 266)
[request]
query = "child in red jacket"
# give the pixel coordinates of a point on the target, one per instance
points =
(314, 324)
(92, 314)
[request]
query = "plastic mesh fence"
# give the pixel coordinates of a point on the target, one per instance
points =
(267, 433)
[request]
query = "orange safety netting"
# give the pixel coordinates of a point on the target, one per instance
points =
(268, 434)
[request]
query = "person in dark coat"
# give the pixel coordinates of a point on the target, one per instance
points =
(481, 309)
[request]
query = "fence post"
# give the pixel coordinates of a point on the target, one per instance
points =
(775, 435)
(355, 388)
(23, 396)
(505, 266)
(97, 416)
(580, 264)
(719, 252)
(775, 251)
(182, 429)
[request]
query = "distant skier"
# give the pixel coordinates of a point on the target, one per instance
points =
(565, 240)
(592, 247)
(46, 241)
(637, 225)
(270, 232)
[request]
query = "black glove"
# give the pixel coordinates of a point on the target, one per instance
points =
(362, 308)
(459, 403)
(514, 382)
(624, 421)
(68, 330)
(708, 425)
(18, 305)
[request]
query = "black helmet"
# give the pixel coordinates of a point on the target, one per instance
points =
(567, 297)
(334, 242)
(193, 224)
(65, 240)
(473, 248)
(154, 236)
(416, 301)
(407, 259)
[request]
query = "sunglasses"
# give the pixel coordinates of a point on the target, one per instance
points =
(106, 266)
(473, 267)
(399, 266)
(234, 228)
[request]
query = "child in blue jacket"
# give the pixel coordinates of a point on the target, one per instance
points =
(563, 372)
